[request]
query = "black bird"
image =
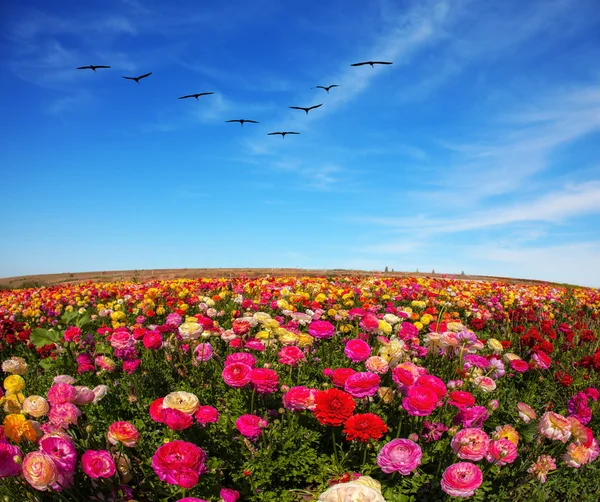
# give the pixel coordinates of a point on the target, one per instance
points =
(91, 67)
(196, 95)
(241, 121)
(306, 109)
(371, 63)
(282, 133)
(137, 79)
(326, 88)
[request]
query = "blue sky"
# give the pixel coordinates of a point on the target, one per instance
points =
(478, 150)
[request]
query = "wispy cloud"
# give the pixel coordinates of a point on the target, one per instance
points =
(68, 104)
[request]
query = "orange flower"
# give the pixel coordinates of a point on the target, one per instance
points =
(16, 427)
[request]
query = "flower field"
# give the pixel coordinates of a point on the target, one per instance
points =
(339, 389)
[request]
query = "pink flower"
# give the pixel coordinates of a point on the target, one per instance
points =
(357, 350)
(576, 455)
(526, 412)
(300, 398)
(85, 363)
(592, 393)
(206, 415)
(264, 380)
(250, 426)
(555, 426)
(472, 416)
(256, 345)
(204, 352)
(64, 414)
(63, 452)
(369, 323)
(8, 466)
(501, 452)
(229, 495)
(541, 360)
(105, 363)
(362, 384)
(519, 365)
(179, 463)
(236, 375)
(461, 399)
(153, 340)
(420, 401)
(376, 364)
(61, 393)
(176, 420)
(123, 432)
(291, 355)
(84, 395)
(461, 479)
(241, 357)
(470, 444)
(434, 383)
(121, 339)
(543, 465)
(98, 464)
(321, 329)
(39, 470)
(399, 455)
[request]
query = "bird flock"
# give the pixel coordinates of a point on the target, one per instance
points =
(244, 121)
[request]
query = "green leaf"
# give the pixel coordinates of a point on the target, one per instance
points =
(83, 320)
(40, 337)
(67, 317)
(529, 431)
(47, 363)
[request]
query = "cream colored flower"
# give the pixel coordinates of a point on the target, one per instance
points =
(361, 490)
(182, 401)
(190, 331)
(495, 345)
(509, 356)
(36, 406)
(15, 365)
(261, 316)
(391, 319)
(455, 326)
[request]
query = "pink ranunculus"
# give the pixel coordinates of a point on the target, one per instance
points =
(461, 399)
(85, 363)
(501, 452)
(204, 352)
(472, 416)
(8, 466)
(61, 393)
(121, 339)
(250, 426)
(153, 340)
(541, 360)
(461, 479)
(240, 357)
(300, 398)
(434, 383)
(408, 331)
(179, 463)
(64, 414)
(576, 455)
(363, 384)
(206, 415)
(470, 444)
(123, 432)
(555, 426)
(236, 375)
(526, 412)
(321, 329)
(264, 380)
(376, 364)
(176, 420)
(105, 363)
(68, 379)
(192, 499)
(420, 401)
(357, 350)
(62, 451)
(98, 464)
(84, 395)
(39, 470)
(290, 355)
(519, 365)
(369, 323)
(229, 495)
(399, 455)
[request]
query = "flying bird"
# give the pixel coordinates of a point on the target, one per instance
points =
(241, 121)
(282, 133)
(326, 88)
(306, 109)
(137, 79)
(91, 67)
(196, 95)
(371, 63)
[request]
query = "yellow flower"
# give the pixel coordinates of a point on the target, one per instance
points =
(160, 310)
(263, 335)
(271, 324)
(12, 402)
(385, 327)
(331, 312)
(14, 383)
(320, 298)
(182, 401)
(426, 319)
(495, 345)
(419, 325)
(16, 427)
(39, 470)
(507, 432)
(345, 328)
(287, 337)
(305, 340)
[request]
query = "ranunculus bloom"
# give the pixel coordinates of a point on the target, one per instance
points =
(204, 352)
(519, 365)
(123, 432)
(376, 364)
(555, 426)
(357, 350)
(179, 463)
(206, 415)
(84, 395)
(472, 416)
(470, 444)
(85, 363)
(15, 365)
(369, 323)
(501, 452)
(340, 375)
(461, 399)
(300, 398)
(105, 363)
(290, 355)
(176, 420)
(64, 454)
(99, 392)
(16, 427)
(240, 357)
(321, 329)
(153, 340)
(98, 464)
(264, 380)
(61, 393)
(484, 383)
(8, 466)
(14, 383)
(236, 375)
(364, 426)
(229, 495)
(64, 414)
(39, 470)
(363, 384)
(156, 410)
(182, 401)
(543, 465)
(333, 407)
(121, 339)
(364, 489)
(250, 426)
(461, 479)
(526, 412)
(36, 406)
(420, 401)
(399, 455)
(434, 383)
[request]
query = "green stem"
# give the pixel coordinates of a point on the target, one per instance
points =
(335, 455)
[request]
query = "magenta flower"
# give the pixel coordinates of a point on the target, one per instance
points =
(357, 350)
(179, 463)
(470, 444)
(98, 464)
(250, 426)
(461, 479)
(265, 381)
(501, 452)
(291, 355)
(8, 466)
(206, 415)
(321, 329)
(399, 455)
(362, 384)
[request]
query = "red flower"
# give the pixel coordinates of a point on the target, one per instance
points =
(563, 378)
(364, 426)
(340, 375)
(519, 365)
(461, 399)
(264, 380)
(333, 407)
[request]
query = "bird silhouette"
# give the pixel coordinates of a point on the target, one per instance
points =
(326, 88)
(91, 67)
(241, 121)
(196, 95)
(306, 109)
(371, 63)
(137, 79)
(282, 133)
